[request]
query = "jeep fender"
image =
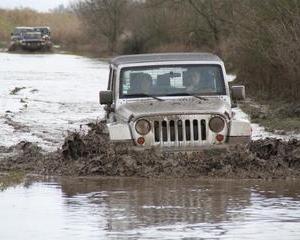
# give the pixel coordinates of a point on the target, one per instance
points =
(240, 128)
(119, 131)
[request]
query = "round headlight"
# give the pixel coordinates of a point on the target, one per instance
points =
(216, 124)
(142, 127)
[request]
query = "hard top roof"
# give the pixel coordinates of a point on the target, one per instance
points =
(24, 27)
(164, 57)
(21, 27)
(44, 27)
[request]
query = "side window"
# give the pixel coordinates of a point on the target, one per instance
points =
(109, 86)
(113, 82)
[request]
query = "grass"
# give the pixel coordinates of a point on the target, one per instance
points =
(3, 45)
(275, 116)
(285, 124)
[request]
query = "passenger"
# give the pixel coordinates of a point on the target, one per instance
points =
(140, 83)
(195, 81)
(199, 83)
(146, 84)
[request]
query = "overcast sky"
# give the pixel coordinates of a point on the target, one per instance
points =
(40, 5)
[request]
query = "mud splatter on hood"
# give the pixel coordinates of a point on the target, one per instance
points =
(176, 106)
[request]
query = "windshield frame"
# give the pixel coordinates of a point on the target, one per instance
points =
(172, 64)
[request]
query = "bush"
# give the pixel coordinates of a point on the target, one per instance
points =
(265, 49)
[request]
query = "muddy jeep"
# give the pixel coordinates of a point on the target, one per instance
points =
(174, 101)
(31, 38)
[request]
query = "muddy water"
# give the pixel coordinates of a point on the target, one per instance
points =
(55, 93)
(134, 208)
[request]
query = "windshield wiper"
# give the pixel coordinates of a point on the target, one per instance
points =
(146, 95)
(199, 97)
(187, 94)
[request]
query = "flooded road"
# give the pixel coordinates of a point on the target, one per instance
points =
(135, 208)
(44, 95)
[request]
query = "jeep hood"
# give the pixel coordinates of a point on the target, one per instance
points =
(176, 106)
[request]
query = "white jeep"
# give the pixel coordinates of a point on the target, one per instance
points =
(172, 101)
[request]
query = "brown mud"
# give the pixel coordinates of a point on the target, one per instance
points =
(93, 154)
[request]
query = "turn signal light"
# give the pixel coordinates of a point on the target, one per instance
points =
(220, 137)
(141, 140)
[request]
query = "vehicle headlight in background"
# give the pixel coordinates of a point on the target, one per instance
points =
(216, 124)
(143, 127)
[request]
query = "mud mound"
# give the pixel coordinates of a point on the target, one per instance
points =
(94, 154)
(22, 156)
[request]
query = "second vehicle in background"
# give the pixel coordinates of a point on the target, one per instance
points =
(31, 39)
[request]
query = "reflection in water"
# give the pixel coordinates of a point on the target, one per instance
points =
(135, 208)
(156, 202)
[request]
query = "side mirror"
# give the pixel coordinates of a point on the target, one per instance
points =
(238, 93)
(106, 97)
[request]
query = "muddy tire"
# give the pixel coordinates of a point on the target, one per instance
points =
(12, 48)
(47, 48)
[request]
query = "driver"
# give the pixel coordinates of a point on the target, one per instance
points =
(199, 83)
(195, 83)
(146, 84)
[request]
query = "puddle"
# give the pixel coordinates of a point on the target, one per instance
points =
(138, 208)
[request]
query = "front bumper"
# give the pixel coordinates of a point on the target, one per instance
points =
(231, 141)
(35, 45)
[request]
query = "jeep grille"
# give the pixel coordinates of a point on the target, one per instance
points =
(180, 130)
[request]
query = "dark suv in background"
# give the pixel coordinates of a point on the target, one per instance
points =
(31, 39)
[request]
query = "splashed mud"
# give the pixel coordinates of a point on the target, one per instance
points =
(93, 154)
(16, 90)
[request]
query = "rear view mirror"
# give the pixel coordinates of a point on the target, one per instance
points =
(106, 97)
(238, 93)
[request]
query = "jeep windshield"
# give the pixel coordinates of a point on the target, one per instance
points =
(32, 36)
(172, 80)
(19, 31)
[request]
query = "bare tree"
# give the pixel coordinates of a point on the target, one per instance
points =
(216, 19)
(103, 18)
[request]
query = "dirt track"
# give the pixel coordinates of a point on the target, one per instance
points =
(93, 154)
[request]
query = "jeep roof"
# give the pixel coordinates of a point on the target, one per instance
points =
(46, 27)
(23, 27)
(164, 57)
